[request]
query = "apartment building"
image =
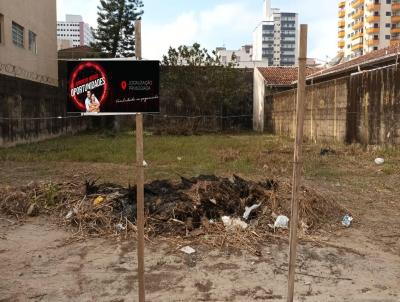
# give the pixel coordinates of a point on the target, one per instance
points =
(28, 43)
(73, 32)
(367, 25)
(275, 39)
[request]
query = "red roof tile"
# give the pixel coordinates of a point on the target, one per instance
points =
(283, 75)
(367, 58)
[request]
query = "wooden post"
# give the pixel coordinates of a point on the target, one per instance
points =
(301, 92)
(139, 177)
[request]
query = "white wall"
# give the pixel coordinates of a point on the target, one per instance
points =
(258, 101)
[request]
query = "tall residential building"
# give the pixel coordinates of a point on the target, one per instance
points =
(28, 46)
(367, 25)
(275, 39)
(74, 30)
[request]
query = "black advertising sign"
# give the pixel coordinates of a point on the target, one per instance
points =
(113, 87)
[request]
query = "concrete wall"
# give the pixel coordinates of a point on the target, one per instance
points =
(29, 111)
(40, 17)
(362, 108)
(258, 101)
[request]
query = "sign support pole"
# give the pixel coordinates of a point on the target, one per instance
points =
(301, 92)
(139, 176)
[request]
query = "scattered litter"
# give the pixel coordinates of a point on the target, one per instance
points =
(379, 161)
(120, 227)
(327, 151)
(248, 210)
(188, 250)
(98, 200)
(213, 201)
(145, 164)
(179, 158)
(32, 210)
(347, 219)
(69, 215)
(230, 223)
(281, 222)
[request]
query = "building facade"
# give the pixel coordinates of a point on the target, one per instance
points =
(367, 25)
(73, 32)
(28, 43)
(275, 39)
(241, 58)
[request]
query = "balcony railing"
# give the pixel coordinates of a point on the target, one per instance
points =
(373, 42)
(396, 7)
(395, 30)
(342, 13)
(372, 30)
(342, 4)
(341, 44)
(358, 35)
(373, 7)
(358, 25)
(395, 42)
(357, 3)
(341, 23)
(357, 47)
(341, 34)
(358, 14)
(372, 19)
(395, 19)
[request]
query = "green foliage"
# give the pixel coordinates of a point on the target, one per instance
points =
(193, 82)
(115, 34)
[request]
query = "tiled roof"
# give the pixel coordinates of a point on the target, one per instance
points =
(284, 76)
(376, 55)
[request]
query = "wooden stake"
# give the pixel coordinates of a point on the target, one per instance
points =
(139, 177)
(301, 92)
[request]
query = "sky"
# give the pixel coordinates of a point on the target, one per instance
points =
(214, 23)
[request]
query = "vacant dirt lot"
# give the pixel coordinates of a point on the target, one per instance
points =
(361, 263)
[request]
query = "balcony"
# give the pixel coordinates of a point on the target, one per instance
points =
(357, 3)
(358, 35)
(341, 23)
(396, 7)
(358, 25)
(357, 47)
(341, 44)
(373, 7)
(395, 42)
(372, 30)
(358, 14)
(395, 30)
(342, 4)
(341, 34)
(373, 19)
(395, 19)
(342, 13)
(373, 42)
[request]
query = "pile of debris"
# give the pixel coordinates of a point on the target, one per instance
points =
(186, 209)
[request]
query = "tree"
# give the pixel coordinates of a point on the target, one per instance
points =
(115, 34)
(190, 56)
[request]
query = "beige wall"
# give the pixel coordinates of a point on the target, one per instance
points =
(39, 16)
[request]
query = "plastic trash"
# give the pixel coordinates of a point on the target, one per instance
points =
(281, 222)
(188, 250)
(346, 221)
(98, 200)
(212, 200)
(248, 210)
(379, 161)
(179, 158)
(230, 223)
(120, 227)
(145, 164)
(69, 215)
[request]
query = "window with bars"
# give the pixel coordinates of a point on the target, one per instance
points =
(18, 34)
(32, 42)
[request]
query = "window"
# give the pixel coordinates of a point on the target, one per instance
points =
(18, 34)
(388, 14)
(375, 48)
(32, 42)
(387, 37)
(387, 25)
(388, 1)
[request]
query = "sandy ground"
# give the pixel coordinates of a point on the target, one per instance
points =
(37, 263)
